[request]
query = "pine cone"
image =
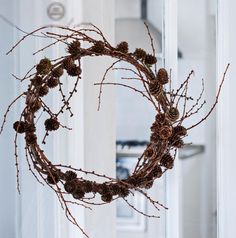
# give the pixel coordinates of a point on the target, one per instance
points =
(87, 186)
(35, 106)
(78, 193)
(114, 189)
(123, 47)
(162, 76)
(43, 90)
(70, 186)
(160, 118)
(44, 66)
(106, 197)
(150, 59)
(74, 47)
(155, 88)
(29, 128)
(124, 192)
(154, 137)
(172, 113)
(102, 188)
(52, 82)
(140, 54)
(155, 127)
(149, 152)
(57, 72)
(156, 172)
(148, 185)
(133, 181)
(180, 131)
(70, 175)
(165, 132)
(19, 127)
(167, 161)
(177, 142)
(74, 70)
(31, 139)
(98, 47)
(53, 178)
(37, 81)
(51, 124)
(68, 63)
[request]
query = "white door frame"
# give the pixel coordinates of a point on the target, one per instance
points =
(226, 163)
(173, 225)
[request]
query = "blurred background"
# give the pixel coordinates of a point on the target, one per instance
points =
(110, 141)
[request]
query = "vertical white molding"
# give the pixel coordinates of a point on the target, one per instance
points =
(170, 62)
(226, 128)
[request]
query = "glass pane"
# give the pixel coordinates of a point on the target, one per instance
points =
(196, 43)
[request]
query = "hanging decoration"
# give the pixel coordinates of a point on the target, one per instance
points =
(172, 107)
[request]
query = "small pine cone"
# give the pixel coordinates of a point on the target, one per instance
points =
(167, 161)
(177, 142)
(149, 152)
(87, 186)
(133, 181)
(141, 182)
(78, 193)
(43, 90)
(155, 88)
(124, 192)
(74, 70)
(172, 113)
(98, 47)
(150, 59)
(57, 72)
(140, 54)
(35, 106)
(102, 188)
(154, 137)
(53, 178)
(180, 131)
(44, 66)
(31, 139)
(165, 132)
(160, 118)
(70, 186)
(51, 124)
(157, 172)
(19, 127)
(37, 81)
(74, 47)
(123, 47)
(30, 128)
(148, 185)
(106, 197)
(162, 76)
(70, 175)
(114, 189)
(155, 127)
(68, 63)
(52, 82)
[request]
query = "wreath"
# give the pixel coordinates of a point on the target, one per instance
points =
(172, 108)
